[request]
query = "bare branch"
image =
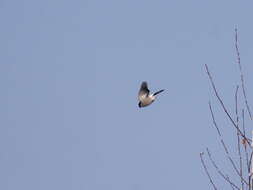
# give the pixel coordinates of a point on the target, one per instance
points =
(243, 142)
(219, 171)
(225, 147)
(230, 185)
(241, 73)
(206, 170)
(238, 135)
(223, 106)
(250, 170)
(236, 105)
(245, 147)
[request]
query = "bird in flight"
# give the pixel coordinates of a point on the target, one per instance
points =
(145, 98)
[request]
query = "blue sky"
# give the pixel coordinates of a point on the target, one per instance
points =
(70, 73)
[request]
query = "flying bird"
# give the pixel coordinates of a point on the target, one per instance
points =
(145, 98)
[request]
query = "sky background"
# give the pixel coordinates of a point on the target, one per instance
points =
(70, 72)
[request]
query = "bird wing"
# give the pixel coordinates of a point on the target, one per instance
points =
(144, 91)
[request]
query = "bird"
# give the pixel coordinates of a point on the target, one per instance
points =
(146, 98)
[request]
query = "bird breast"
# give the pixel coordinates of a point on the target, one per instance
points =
(147, 100)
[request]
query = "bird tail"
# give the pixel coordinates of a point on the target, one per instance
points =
(158, 92)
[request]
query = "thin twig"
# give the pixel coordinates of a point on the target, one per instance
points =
(230, 184)
(236, 105)
(206, 170)
(225, 147)
(238, 135)
(240, 158)
(219, 171)
(250, 170)
(241, 73)
(245, 146)
(223, 106)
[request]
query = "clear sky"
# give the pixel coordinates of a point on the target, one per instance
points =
(70, 72)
